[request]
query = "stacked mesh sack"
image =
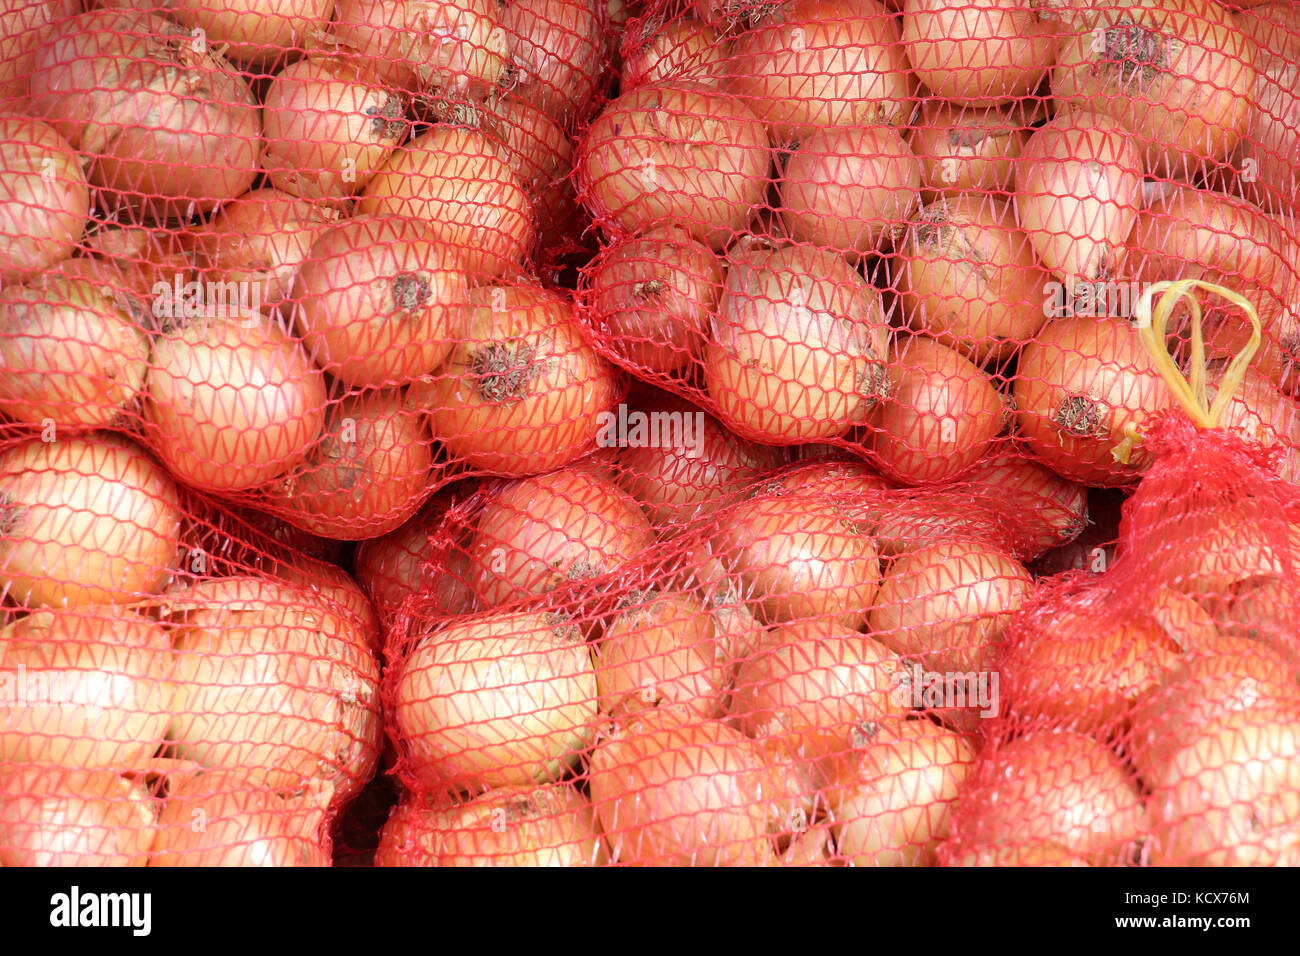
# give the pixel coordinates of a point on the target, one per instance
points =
(717, 393)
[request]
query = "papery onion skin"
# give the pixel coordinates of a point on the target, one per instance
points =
(256, 34)
(44, 197)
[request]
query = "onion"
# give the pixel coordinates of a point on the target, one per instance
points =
(457, 184)
(1261, 609)
(941, 415)
(522, 391)
(1261, 414)
(378, 303)
(850, 189)
(457, 49)
(1230, 796)
(232, 404)
(738, 632)
(496, 700)
(810, 685)
(513, 826)
(660, 649)
(1215, 548)
(822, 64)
(224, 818)
(258, 241)
(1081, 666)
(44, 198)
(329, 583)
(1078, 191)
(963, 149)
(542, 532)
(329, 126)
(983, 53)
(686, 465)
(1196, 234)
(914, 519)
(366, 474)
(173, 129)
(555, 53)
(671, 790)
(1177, 73)
(1040, 509)
(682, 48)
(798, 346)
(1081, 385)
(949, 604)
(142, 256)
(675, 154)
(22, 23)
(800, 556)
(1268, 156)
(541, 154)
(256, 34)
(902, 783)
(72, 351)
(395, 565)
(86, 688)
(1017, 854)
(851, 482)
(59, 817)
(88, 520)
(1054, 787)
(652, 295)
(274, 683)
(968, 277)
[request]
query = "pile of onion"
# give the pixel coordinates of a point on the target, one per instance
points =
(495, 700)
(171, 127)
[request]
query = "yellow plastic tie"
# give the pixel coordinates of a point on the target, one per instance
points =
(1191, 395)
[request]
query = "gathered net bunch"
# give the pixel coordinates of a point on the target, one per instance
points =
(589, 432)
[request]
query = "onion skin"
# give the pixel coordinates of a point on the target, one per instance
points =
(232, 404)
(555, 53)
(22, 23)
(1051, 787)
(57, 817)
(540, 533)
(1016, 854)
(660, 650)
(894, 799)
(675, 154)
(458, 185)
(44, 197)
(851, 189)
(244, 823)
(314, 718)
(1079, 386)
(541, 154)
(652, 295)
(940, 418)
(683, 48)
(948, 604)
(329, 126)
(811, 684)
(256, 34)
(378, 303)
(365, 476)
(1078, 192)
(798, 345)
(671, 790)
(172, 128)
(512, 826)
(87, 688)
(963, 149)
(800, 556)
(969, 279)
(816, 64)
(72, 352)
(1262, 414)
(1044, 510)
(1180, 76)
(494, 418)
(1269, 154)
(495, 700)
(85, 520)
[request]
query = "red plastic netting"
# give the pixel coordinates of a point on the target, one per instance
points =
(458, 432)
